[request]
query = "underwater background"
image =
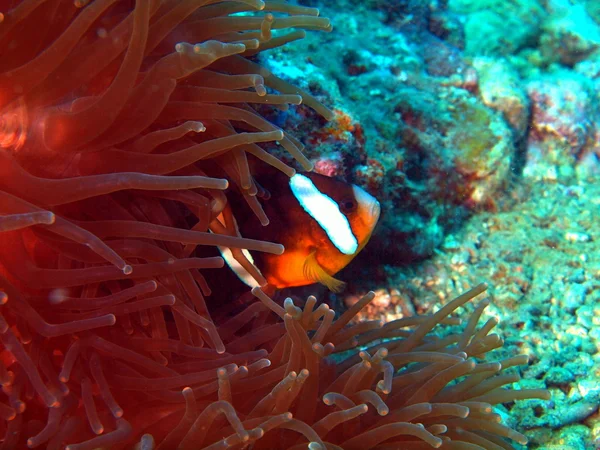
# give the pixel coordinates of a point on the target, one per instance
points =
(125, 130)
(475, 123)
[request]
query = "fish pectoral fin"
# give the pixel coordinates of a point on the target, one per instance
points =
(314, 272)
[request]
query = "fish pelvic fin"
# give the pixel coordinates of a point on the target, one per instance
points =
(315, 273)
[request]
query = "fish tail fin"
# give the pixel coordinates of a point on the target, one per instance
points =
(314, 272)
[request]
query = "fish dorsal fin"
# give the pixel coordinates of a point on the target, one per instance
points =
(314, 272)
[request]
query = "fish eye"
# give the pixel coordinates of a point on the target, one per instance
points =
(347, 205)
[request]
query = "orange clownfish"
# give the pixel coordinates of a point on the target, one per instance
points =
(323, 223)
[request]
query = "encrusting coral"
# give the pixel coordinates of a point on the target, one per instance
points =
(115, 135)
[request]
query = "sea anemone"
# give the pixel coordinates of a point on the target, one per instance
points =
(121, 123)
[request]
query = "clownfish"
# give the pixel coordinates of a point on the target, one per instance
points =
(323, 223)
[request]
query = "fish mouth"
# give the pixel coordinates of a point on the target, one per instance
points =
(370, 205)
(375, 212)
